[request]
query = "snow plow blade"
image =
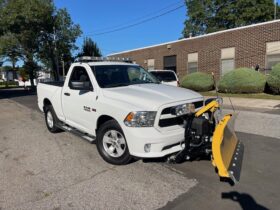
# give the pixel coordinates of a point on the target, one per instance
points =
(227, 150)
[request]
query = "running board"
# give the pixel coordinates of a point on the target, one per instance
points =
(76, 132)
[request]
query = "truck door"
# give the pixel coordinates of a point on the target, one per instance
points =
(79, 106)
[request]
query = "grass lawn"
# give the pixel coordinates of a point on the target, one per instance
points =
(9, 86)
(255, 95)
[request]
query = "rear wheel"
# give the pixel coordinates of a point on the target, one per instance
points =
(51, 119)
(111, 144)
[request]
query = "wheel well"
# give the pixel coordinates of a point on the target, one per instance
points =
(46, 103)
(102, 119)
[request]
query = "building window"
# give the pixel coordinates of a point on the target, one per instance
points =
(272, 54)
(169, 63)
(192, 62)
(227, 60)
(151, 64)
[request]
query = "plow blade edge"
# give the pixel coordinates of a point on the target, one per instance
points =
(227, 150)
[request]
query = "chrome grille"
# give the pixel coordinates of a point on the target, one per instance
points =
(166, 119)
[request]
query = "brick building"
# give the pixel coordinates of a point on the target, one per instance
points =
(217, 52)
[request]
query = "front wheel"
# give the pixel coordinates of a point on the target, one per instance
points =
(111, 144)
(51, 120)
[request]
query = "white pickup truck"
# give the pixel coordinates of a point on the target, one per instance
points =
(120, 106)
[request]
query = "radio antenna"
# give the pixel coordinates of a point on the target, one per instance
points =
(217, 93)
(215, 84)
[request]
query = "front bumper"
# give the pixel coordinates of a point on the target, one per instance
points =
(162, 143)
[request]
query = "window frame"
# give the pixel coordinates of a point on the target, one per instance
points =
(148, 66)
(267, 54)
(221, 65)
(230, 58)
(170, 67)
(266, 60)
(188, 68)
(191, 62)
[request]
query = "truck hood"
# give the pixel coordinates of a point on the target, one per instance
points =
(150, 96)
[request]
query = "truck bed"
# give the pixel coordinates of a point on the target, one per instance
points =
(55, 83)
(52, 92)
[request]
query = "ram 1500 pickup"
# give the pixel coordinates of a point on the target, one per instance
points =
(120, 106)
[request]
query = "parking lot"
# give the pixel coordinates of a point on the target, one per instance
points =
(40, 170)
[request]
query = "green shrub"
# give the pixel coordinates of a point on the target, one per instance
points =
(9, 83)
(242, 80)
(198, 81)
(273, 80)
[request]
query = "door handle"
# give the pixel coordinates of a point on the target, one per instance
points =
(67, 94)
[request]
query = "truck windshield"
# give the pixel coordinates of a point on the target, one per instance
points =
(165, 76)
(109, 76)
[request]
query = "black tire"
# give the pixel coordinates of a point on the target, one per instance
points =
(50, 111)
(106, 128)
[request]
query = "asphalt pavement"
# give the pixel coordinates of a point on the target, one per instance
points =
(47, 171)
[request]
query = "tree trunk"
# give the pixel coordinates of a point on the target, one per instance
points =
(7, 79)
(30, 67)
(31, 76)
(14, 68)
(55, 67)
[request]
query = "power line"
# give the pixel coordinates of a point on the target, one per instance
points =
(137, 19)
(137, 23)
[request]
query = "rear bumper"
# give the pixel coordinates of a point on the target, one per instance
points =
(162, 143)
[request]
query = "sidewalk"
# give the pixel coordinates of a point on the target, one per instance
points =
(251, 103)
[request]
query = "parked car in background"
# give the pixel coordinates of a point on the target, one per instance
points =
(167, 77)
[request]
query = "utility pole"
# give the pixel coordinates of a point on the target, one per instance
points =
(55, 54)
(63, 69)
(275, 9)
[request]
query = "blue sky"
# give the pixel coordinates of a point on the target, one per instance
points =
(94, 15)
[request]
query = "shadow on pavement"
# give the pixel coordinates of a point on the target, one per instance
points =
(246, 201)
(16, 92)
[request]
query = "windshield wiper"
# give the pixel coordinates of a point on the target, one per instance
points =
(117, 85)
(141, 83)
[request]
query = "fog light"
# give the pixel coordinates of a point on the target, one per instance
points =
(147, 147)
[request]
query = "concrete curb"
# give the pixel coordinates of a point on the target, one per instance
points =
(251, 103)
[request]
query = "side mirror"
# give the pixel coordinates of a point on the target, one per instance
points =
(77, 85)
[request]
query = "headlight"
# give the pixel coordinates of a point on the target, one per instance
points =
(140, 119)
(183, 109)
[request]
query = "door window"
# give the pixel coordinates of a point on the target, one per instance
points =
(79, 74)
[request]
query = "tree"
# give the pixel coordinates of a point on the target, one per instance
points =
(10, 49)
(26, 20)
(90, 48)
(206, 16)
(45, 34)
(23, 74)
(59, 41)
(6, 69)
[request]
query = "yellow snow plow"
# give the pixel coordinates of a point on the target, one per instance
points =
(227, 150)
(207, 133)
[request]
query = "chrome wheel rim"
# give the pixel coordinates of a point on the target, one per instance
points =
(114, 143)
(50, 119)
